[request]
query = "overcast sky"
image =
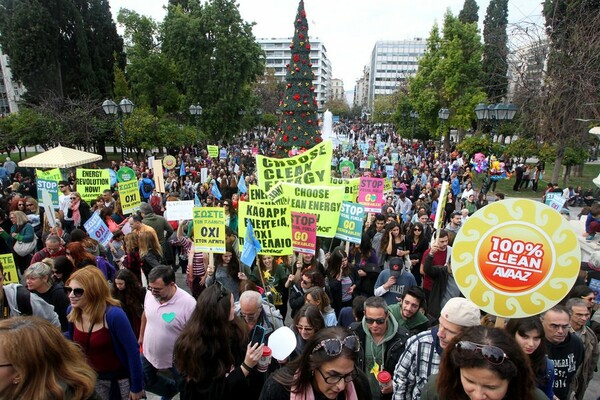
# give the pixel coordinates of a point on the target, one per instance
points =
(348, 28)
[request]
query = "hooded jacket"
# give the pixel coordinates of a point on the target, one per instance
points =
(39, 307)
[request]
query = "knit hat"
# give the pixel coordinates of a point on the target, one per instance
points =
(462, 312)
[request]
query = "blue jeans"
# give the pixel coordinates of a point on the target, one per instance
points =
(158, 383)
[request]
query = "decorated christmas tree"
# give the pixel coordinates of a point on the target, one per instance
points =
(299, 128)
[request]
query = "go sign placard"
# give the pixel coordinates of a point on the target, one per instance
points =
(350, 225)
(370, 194)
(304, 232)
(209, 229)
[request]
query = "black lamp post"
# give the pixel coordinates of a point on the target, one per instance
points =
(443, 115)
(196, 111)
(124, 107)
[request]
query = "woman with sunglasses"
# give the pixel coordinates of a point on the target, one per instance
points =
(79, 210)
(211, 353)
(483, 363)
(37, 362)
(101, 328)
(416, 244)
(528, 332)
(307, 322)
(326, 369)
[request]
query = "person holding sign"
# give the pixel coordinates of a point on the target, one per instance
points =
(228, 272)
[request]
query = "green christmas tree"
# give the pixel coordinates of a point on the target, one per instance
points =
(299, 129)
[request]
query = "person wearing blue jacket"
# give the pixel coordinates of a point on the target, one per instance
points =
(102, 329)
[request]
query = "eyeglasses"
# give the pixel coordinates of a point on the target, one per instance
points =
(333, 347)
(155, 289)
(29, 205)
(378, 321)
(304, 328)
(556, 327)
(306, 282)
(61, 186)
(417, 230)
(492, 354)
(20, 204)
(333, 379)
(5, 365)
(250, 317)
(77, 292)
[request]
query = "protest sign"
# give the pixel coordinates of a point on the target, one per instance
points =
(222, 153)
(350, 188)
(257, 195)
(158, 177)
(350, 225)
(304, 232)
(97, 229)
(10, 268)
(272, 227)
(48, 209)
(203, 174)
(50, 175)
(389, 171)
(595, 286)
(125, 174)
(515, 258)
(313, 167)
(92, 182)
(209, 229)
(52, 188)
(388, 188)
(394, 158)
(213, 151)
(323, 201)
(169, 162)
(180, 210)
(129, 193)
(370, 194)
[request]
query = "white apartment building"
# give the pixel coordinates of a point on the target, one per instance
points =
(392, 62)
(361, 89)
(278, 55)
(10, 91)
(337, 89)
(527, 68)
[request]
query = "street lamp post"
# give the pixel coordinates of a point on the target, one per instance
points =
(414, 116)
(496, 114)
(443, 115)
(196, 111)
(124, 107)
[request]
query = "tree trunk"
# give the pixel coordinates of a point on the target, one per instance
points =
(560, 155)
(566, 175)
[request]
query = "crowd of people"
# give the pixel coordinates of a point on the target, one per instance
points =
(380, 319)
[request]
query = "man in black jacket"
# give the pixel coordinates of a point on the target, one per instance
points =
(382, 342)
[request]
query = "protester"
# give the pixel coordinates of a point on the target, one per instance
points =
(128, 290)
(343, 280)
(307, 322)
(21, 238)
(37, 362)
(317, 297)
(39, 281)
(228, 271)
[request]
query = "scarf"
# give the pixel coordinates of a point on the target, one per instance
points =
(306, 393)
(75, 210)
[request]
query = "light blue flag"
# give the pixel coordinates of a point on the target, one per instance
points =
(197, 201)
(242, 188)
(251, 245)
(215, 190)
(182, 169)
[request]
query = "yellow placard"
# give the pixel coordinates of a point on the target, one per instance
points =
(213, 151)
(50, 175)
(388, 188)
(272, 227)
(209, 229)
(350, 188)
(323, 201)
(257, 195)
(92, 182)
(10, 269)
(169, 162)
(515, 258)
(313, 167)
(129, 194)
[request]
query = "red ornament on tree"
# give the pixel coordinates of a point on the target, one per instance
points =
(285, 138)
(307, 46)
(296, 97)
(296, 58)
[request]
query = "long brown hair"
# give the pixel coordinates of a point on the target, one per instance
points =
(96, 292)
(149, 241)
(46, 361)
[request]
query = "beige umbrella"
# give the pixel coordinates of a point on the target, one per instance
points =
(60, 157)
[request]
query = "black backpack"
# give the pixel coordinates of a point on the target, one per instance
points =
(147, 187)
(24, 301)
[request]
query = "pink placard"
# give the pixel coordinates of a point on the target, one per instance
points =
(370, 194)
(304, 232)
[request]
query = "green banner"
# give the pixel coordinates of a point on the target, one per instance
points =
(50, 175)
(323, 201)
(272, 227)
(92, 182)
(350, 187)
(313, 167)
(213, 151)
(209, 229)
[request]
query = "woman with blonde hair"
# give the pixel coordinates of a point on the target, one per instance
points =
(132, 260)
(316, 296)
(21, 235)
(150, 251)
(101, 328)
(38, 363)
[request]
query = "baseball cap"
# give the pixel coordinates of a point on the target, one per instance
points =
(461, 311)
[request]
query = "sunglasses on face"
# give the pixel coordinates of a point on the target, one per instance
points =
(333, 347)
(20, 204)
(371, 321)
(307, 329)
(492, 354)
(77, 292)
